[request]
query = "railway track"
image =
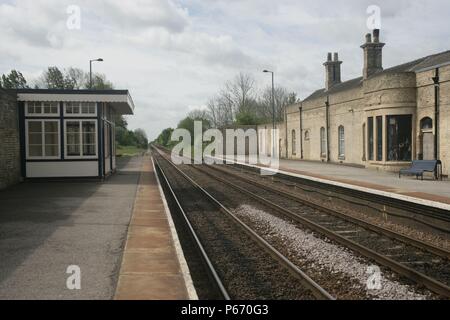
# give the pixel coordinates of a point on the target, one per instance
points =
(239, 269)
(434, 218)
(422, 263)
(214, 288)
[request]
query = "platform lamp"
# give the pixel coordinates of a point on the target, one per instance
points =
(273, 111)
(90, 70)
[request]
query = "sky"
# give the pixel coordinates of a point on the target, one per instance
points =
(173, 55)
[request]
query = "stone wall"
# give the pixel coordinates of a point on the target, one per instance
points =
(383, 95)
(444, 75)
(346, 109)
(426, 108)
(9, 140)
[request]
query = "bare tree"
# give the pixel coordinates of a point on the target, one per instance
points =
(221, 109)
(240, 101)
(282, 100)
(241, 91)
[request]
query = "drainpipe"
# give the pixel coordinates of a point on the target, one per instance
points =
(286, 130)
(436, 114)
(300, 109)
(327, 112)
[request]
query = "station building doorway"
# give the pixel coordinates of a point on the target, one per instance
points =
(427, 139)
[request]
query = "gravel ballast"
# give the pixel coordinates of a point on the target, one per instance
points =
(327, 256)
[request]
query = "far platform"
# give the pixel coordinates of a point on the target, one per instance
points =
(428, 192)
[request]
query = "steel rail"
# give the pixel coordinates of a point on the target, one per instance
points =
(410, 273)
(360, 222)
(366, 199)
(316, 289)
(212, 274)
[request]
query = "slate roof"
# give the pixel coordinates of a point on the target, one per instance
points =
(412, 66)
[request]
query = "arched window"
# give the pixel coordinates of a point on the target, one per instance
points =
(341, 133)
(323, 142)
(426, 123)
(294, 143)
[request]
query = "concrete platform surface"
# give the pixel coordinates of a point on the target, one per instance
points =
(153, 266)
(429, 189)
(427, 192)
(45, 227)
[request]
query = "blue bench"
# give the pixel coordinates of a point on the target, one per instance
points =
(419, 167)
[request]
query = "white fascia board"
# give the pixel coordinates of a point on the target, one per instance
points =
(120, 99)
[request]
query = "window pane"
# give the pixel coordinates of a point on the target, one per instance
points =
(51, 126)
(73, 138)
(38, 109)
(379, 138)
(89, 143)
(84, 108)
(35, 151)
(35, 126)
(73, 150)
(399, 136)
(88, 138)
(76, 109)
(341, 141)
(51, 138)
(73, 127)
(370, 142)
(35, 138)
(54, 109)
(89, 126)
(30, 109)
(89, 150)
(51, 151)
(92, 108)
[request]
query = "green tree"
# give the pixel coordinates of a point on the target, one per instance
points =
(53, 78)
(75, 78)
(99, 82)
(13, 80)
(120, 121)
(187, 124)
(164, 138)
(124, 137)
(141, 138)
(246, 118)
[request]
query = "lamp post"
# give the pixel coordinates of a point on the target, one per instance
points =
(273, 111)
(90, 70)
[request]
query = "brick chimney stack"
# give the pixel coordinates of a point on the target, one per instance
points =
(373, 54)
(332, 70)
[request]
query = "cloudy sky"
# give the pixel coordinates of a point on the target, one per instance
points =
(175, 54)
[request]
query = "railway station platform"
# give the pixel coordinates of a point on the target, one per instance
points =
(52, 233)
(153, 265)
(428, 192)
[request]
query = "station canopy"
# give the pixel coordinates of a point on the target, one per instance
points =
(119, 100)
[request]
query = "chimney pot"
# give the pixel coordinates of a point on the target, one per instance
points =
(373, 54)
(332, 70)
(376, 35)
